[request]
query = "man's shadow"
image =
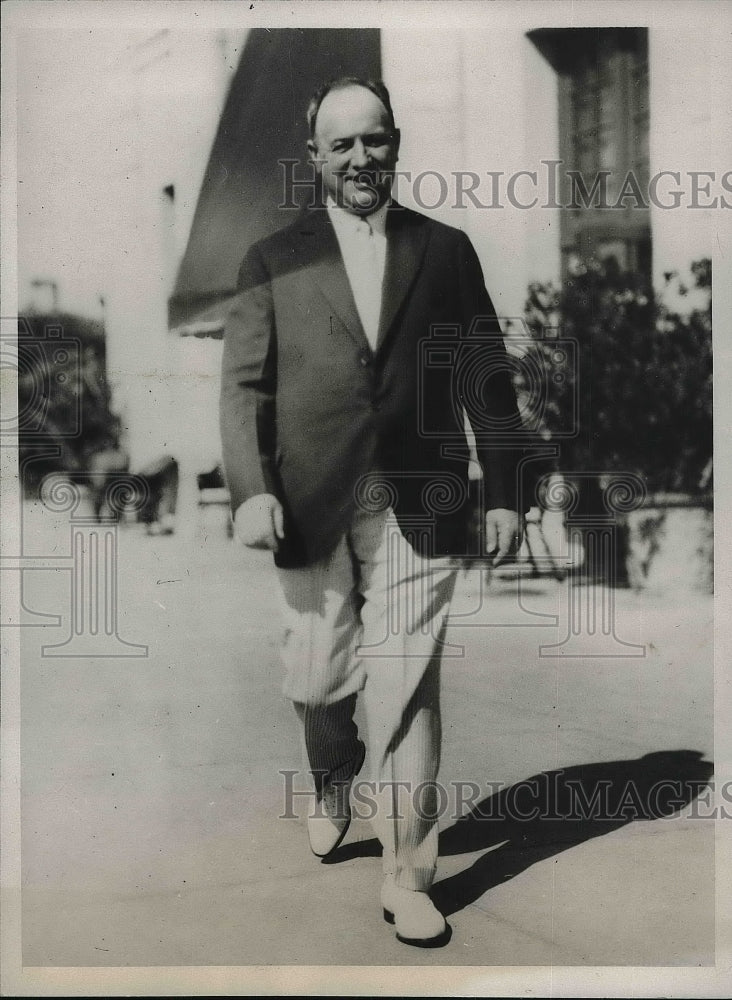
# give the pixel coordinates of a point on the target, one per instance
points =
(552, 812)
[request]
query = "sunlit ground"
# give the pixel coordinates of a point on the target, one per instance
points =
(150, 784)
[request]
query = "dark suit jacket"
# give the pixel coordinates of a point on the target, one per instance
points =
(311, 414)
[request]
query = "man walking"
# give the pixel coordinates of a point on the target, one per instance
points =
(345, 454)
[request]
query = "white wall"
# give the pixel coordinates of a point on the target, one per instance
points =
(680, 64)
(172, 90)
(479, 101)
(511, 120)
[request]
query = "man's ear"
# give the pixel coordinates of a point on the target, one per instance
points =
(313, 151)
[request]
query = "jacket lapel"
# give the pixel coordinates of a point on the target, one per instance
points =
(406, 235)
(326, 268)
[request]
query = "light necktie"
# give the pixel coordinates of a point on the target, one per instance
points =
(367, 290)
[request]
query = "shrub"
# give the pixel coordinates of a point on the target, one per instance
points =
(69, 389)
(644, 377)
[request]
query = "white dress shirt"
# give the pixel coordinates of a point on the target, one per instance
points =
(362, 241)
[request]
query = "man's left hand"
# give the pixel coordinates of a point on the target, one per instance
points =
(504, 532)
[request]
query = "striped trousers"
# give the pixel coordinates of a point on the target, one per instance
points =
(371, 618)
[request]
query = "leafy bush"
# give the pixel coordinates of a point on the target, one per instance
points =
(644, 379)
(63, 396)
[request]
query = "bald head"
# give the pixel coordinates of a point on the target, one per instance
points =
(354, 145)
(341, 83)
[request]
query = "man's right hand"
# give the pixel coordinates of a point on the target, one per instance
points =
(259, 522)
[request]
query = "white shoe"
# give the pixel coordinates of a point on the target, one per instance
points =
(326, 833)
(417, 920)
(329, 823)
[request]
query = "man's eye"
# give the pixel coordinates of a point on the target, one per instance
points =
(341, 147)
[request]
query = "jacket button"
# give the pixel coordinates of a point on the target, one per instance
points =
(364, 360)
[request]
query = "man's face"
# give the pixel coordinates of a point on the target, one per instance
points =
(355, 149)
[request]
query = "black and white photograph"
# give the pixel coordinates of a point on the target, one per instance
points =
(365, 626)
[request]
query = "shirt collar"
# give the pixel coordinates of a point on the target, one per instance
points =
(342, 219)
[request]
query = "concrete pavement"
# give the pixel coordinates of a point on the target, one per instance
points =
(150, 786)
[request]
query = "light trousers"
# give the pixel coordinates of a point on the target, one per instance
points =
(371, 617)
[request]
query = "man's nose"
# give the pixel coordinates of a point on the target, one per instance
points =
(359, 154)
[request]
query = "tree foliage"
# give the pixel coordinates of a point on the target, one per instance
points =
(63, 395)
(643, 385)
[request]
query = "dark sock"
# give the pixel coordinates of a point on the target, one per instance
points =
(331, 739)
